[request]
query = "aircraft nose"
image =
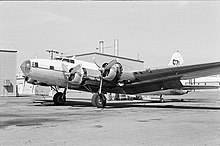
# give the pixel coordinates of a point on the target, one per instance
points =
(26, 67)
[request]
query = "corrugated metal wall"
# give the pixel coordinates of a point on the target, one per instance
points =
(8, 62)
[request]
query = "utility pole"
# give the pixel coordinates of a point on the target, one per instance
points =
(51, 53)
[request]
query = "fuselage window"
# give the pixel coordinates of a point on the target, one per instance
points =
(36, 64)
(52, 67)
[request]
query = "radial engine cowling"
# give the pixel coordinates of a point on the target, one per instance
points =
(113, 73)
(76, 78)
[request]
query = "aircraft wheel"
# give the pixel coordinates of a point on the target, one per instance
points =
(94, 96)
(59, 99)
(99, 100)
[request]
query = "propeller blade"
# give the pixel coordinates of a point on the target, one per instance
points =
(64, 67)
(25, 80)
(24, 86)
(76, 68)
(95, 62)
(100, 85)
(110, 64)
(33, 88)
(65, 73)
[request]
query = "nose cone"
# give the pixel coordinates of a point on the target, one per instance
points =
(26, 67)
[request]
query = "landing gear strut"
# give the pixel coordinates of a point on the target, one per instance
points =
(99, 100)
(162, 100)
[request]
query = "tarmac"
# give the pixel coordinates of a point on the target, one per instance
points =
(29, 120)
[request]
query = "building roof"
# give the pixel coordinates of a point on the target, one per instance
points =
(11, 51)
(96, 53)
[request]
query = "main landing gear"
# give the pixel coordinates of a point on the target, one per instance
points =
(60, 98)
(99, 100)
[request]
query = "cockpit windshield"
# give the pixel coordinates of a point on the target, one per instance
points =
(66, 60)
(57, 58)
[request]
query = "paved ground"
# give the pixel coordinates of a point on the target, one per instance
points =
(196, 121)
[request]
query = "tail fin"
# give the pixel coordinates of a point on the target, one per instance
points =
(176, 59)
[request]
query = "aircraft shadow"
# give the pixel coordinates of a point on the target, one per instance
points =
(142, 104)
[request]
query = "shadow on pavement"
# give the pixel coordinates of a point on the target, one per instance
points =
(139, 104)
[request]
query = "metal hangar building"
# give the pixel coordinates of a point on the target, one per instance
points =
(8, 63)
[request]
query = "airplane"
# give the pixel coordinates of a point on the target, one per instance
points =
(70, 73)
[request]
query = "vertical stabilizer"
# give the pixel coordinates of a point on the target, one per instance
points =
(176, 59)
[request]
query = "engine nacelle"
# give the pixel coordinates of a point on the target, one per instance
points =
(77, 77)
(114, 73)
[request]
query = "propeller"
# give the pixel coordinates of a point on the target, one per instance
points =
(110, 64)
(74, 70)
(67, 74)
(102, 70)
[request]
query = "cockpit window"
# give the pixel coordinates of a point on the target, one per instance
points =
(66, 60)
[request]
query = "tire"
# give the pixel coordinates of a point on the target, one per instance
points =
(58, 99)
(94, 96)
(99, 100)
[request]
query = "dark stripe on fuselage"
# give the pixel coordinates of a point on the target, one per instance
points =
(47, 69)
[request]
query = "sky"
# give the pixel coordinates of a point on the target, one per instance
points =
(153, 29)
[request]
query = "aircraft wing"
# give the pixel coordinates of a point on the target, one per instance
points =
(169, 78)
(182, 72)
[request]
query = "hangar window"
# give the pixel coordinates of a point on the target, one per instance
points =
(52, 67)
